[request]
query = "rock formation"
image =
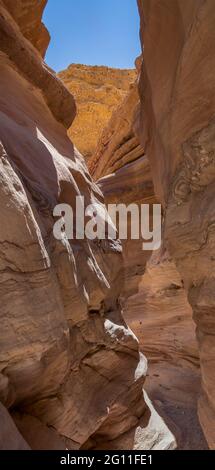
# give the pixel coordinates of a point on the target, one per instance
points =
(177, 129)
(28, 17)
(98, 91)
(71, 373)
(154, 300)
(161, 317)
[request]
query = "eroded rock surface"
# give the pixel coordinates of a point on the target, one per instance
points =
(71, 373)
(177, 92)
(153, 297)
(118, 144)
(98, 91)
(28, 16)
(10, 437)
(123, 174)
(161, 317)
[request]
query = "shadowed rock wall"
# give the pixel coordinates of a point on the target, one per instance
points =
(177, 127)
(71, 373)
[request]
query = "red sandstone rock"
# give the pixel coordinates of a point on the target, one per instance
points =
(154, 299)
(118, 144)
(177, 131)
(28, 17)
(27, 61)
(68, 360)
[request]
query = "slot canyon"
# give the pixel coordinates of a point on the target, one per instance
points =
(105, 345)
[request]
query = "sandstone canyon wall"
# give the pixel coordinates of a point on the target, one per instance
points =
(177, 91)
(71, 373)
(98, 91)
(153, 297)
(123, 173)
(28, 16)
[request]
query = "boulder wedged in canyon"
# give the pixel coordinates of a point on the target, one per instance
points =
(71, 372)
(177, 128)
(98, 90)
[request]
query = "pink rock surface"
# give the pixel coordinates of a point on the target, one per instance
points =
(177, 130)
(71, 369)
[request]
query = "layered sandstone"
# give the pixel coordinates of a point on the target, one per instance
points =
(98, 90)
(28, 16)
(161, 317)
(153, 298)
(177, 129)
(123, 174)
(71, 372)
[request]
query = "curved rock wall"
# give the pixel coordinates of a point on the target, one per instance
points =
(118, 144)
(71, 373)
(154, 300)
(177, 93)
(28, 16)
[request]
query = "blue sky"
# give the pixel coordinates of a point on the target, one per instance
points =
(92, 32)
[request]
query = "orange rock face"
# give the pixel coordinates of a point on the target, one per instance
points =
(28, 17)
(27, 61)
(118, 144)
(98, 91)
(177, 130)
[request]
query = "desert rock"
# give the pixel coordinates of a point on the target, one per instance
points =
(28, 17)
(177, 130)
(98, 91)
(71, 370)
(154, 301)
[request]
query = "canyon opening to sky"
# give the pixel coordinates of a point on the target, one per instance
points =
(153, 299)
(105, 345)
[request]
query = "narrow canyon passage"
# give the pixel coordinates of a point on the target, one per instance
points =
(176, 130)
(105, 345)
(154, 301)
(71, 372)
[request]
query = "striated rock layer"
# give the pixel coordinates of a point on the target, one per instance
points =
(125, 177)
(161, 317)
(71, 374)
(153, 297)
(123, 174)
(118, 144)
(177, 125)
(98, 90)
